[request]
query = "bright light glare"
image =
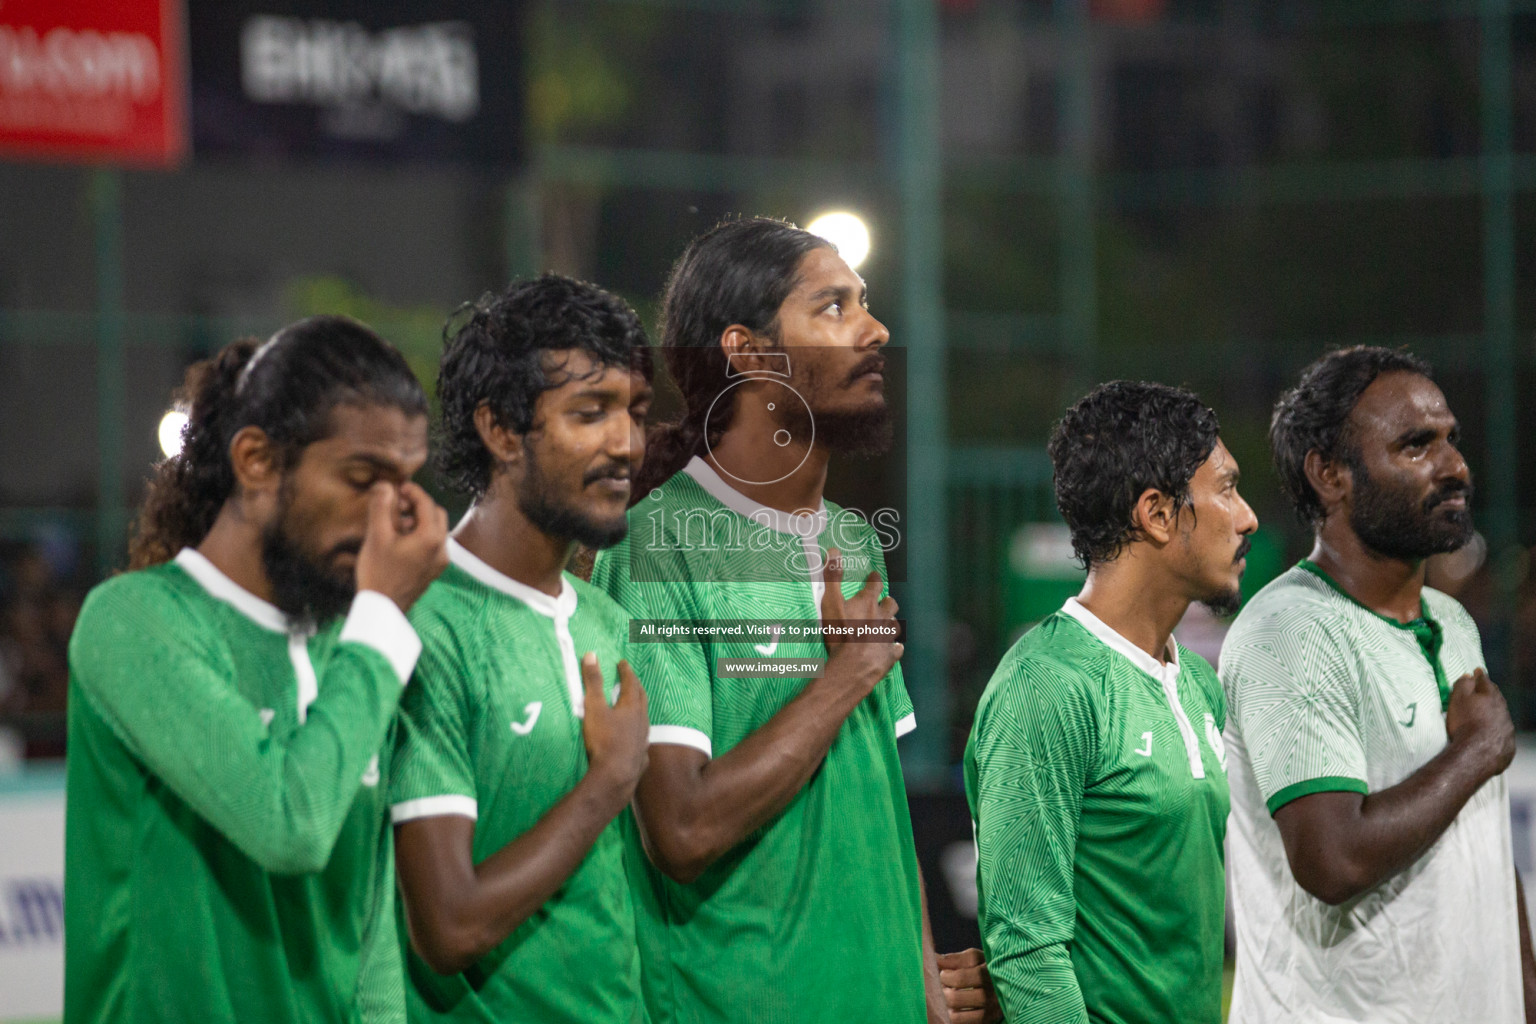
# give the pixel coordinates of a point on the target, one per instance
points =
(170, 432)
(847, 231)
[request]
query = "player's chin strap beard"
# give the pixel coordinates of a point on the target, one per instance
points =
(558, 516)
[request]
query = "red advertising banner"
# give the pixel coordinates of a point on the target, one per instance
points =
(93, 80)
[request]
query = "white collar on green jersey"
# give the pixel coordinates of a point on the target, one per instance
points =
(562, 607)
(195, 564)
(782, 522)
(1115, 642)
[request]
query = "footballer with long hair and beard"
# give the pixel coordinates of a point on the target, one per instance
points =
(227, 850)
(777, 874)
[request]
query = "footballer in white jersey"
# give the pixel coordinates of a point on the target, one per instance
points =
(1370, 857)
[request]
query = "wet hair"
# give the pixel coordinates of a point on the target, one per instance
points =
(1313, 415)
(505, 355)
(738, 272)
(1118, 441)
(287, 387)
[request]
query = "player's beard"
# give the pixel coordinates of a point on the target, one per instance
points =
(1391, 522)
(1226, 602)
(865, 432)
(303, 588)
(552, 514)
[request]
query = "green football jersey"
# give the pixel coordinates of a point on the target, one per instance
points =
(1097, 782)
(816, 915)
(227, 849)
(491, 730)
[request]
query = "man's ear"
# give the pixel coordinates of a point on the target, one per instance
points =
(255, 462)
(505, 445)
(1154, 516)
(1331, 479)
(744, 350)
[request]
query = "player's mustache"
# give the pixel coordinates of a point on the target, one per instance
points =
(1446, 491)
(1242, 550)
(872, 364)
(613, 471)
(346, 547)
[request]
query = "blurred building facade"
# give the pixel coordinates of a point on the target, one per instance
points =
(1204, 193)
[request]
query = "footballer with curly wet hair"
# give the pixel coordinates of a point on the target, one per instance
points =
(1095, 769)
(515, 760)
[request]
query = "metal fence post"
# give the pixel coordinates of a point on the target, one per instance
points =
(1499, 321)
(1075, 190)
(920, 178)
(106, 195)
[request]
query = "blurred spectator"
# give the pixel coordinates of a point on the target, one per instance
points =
(38, 605)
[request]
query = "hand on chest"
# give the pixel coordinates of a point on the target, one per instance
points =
(1402, 717)
(525, 739)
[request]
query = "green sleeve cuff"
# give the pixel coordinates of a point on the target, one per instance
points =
(1325, 784)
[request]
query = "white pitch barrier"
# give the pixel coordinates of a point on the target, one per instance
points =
(32, 895)
(32, 881)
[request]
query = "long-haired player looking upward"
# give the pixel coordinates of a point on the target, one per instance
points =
(780, 880)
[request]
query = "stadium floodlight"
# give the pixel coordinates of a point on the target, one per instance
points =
(171, 425)
(845, 230)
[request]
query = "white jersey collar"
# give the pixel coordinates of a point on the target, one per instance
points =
(212, 579)
(781, 522)
(561, 607)
(1115, 642)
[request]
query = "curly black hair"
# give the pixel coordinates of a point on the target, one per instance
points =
(501, 357)
(287, 387)
(1314, 415)
(1119, 440)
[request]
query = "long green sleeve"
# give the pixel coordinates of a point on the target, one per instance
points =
(1026, 769)
(171, 694)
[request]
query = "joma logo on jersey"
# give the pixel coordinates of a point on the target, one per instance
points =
(531, 713)
(766, 649)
